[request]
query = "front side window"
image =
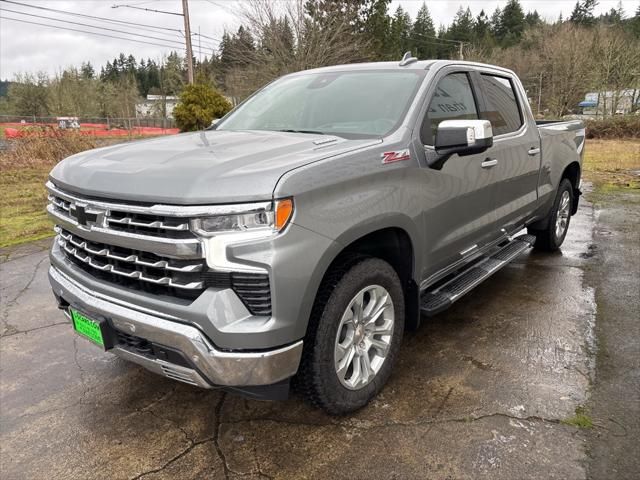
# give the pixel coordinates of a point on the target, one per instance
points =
(452, 100)
(356, 103)
(502, 107)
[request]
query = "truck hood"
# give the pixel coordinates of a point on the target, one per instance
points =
(197, 168)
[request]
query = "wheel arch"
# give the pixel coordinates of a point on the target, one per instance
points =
(572, 172)
(390, 242)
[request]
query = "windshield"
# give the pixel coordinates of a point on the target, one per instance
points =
(360, 103)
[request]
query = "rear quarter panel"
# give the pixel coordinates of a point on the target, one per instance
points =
(562, 143)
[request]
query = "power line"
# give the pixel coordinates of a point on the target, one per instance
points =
(139, 26)
(148, 10)
(91, 26)
(104, 19)
(174, 42)
(90, 33)
(457, 42)
(207, 37)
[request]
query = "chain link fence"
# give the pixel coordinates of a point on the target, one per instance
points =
(110, 122)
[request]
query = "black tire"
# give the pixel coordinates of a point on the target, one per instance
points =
(317, 379)
(548, 239)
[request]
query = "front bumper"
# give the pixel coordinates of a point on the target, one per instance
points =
(206, 366)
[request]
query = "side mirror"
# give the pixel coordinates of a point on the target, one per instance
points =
(464, 137)
(214, 122)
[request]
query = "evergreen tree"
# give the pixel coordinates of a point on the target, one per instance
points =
(120, 63)
(583, 12)
(109, 73)
(278, 37)
(633, 24)
(199, 104)
(532, 19)
(511, 24)
(495, 21)
(224, 48)
(482, 25)
(443, 49)
(87, 71)
(615, 15)
(142, 78)
(462, 27)
(482, 32)
(153, 76)
(237, 50)
(172, 76)
(423, 34)
(400, 41)
(377, 28)
(130, 66)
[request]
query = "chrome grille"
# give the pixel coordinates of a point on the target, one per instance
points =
(123, 221)
(147, 248)
(141, 266)
(185, 279)
(147, 221)
(60, 203)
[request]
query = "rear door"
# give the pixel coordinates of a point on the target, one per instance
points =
(516, 148)
(459, 215)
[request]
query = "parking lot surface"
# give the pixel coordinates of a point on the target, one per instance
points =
(488, 389)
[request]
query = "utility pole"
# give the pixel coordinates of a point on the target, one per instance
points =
(187, 34)
(187, 31)
(460, 55)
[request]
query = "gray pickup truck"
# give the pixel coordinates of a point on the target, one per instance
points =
(297, 239)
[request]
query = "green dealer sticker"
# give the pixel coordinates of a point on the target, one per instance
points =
(87, 328)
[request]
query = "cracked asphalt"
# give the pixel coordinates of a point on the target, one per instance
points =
(481, 391)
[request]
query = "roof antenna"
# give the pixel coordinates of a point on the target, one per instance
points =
(407, 59)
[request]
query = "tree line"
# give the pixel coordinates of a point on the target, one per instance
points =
(558, 61)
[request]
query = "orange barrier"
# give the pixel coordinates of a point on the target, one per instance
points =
(86, 129)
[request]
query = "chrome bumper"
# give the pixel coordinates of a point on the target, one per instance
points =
(212, 367)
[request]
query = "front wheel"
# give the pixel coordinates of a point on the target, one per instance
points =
(355, 334)
(550, 238)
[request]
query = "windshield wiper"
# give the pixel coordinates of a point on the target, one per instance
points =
(315, 132)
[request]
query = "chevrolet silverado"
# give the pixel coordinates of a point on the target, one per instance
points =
(295, 240)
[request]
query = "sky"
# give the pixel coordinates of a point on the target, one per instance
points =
(26, 47)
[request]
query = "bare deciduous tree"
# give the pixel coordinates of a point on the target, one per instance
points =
(289, 40)
(616, 66)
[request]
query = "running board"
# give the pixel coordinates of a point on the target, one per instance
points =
(442, 297)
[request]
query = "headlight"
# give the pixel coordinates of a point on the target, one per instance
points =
(272, 218)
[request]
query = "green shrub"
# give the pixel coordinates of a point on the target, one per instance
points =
(614, 127)
(199, 104)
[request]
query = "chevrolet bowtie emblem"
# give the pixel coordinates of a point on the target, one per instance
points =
(82, 216)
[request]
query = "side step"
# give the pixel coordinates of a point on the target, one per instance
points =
(441, 297)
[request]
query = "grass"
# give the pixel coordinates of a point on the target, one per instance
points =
(613, 164)
(24, 169)
(23, 217)
(581, 419)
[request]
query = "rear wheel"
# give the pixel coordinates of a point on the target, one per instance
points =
(550, 238)
(355, 334)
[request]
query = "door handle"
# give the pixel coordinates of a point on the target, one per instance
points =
(489, 162)
(534, 151)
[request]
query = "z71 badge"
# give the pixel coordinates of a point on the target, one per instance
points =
(397, 156)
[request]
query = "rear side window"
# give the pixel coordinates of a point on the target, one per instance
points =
(452, 100)
(502, 107)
